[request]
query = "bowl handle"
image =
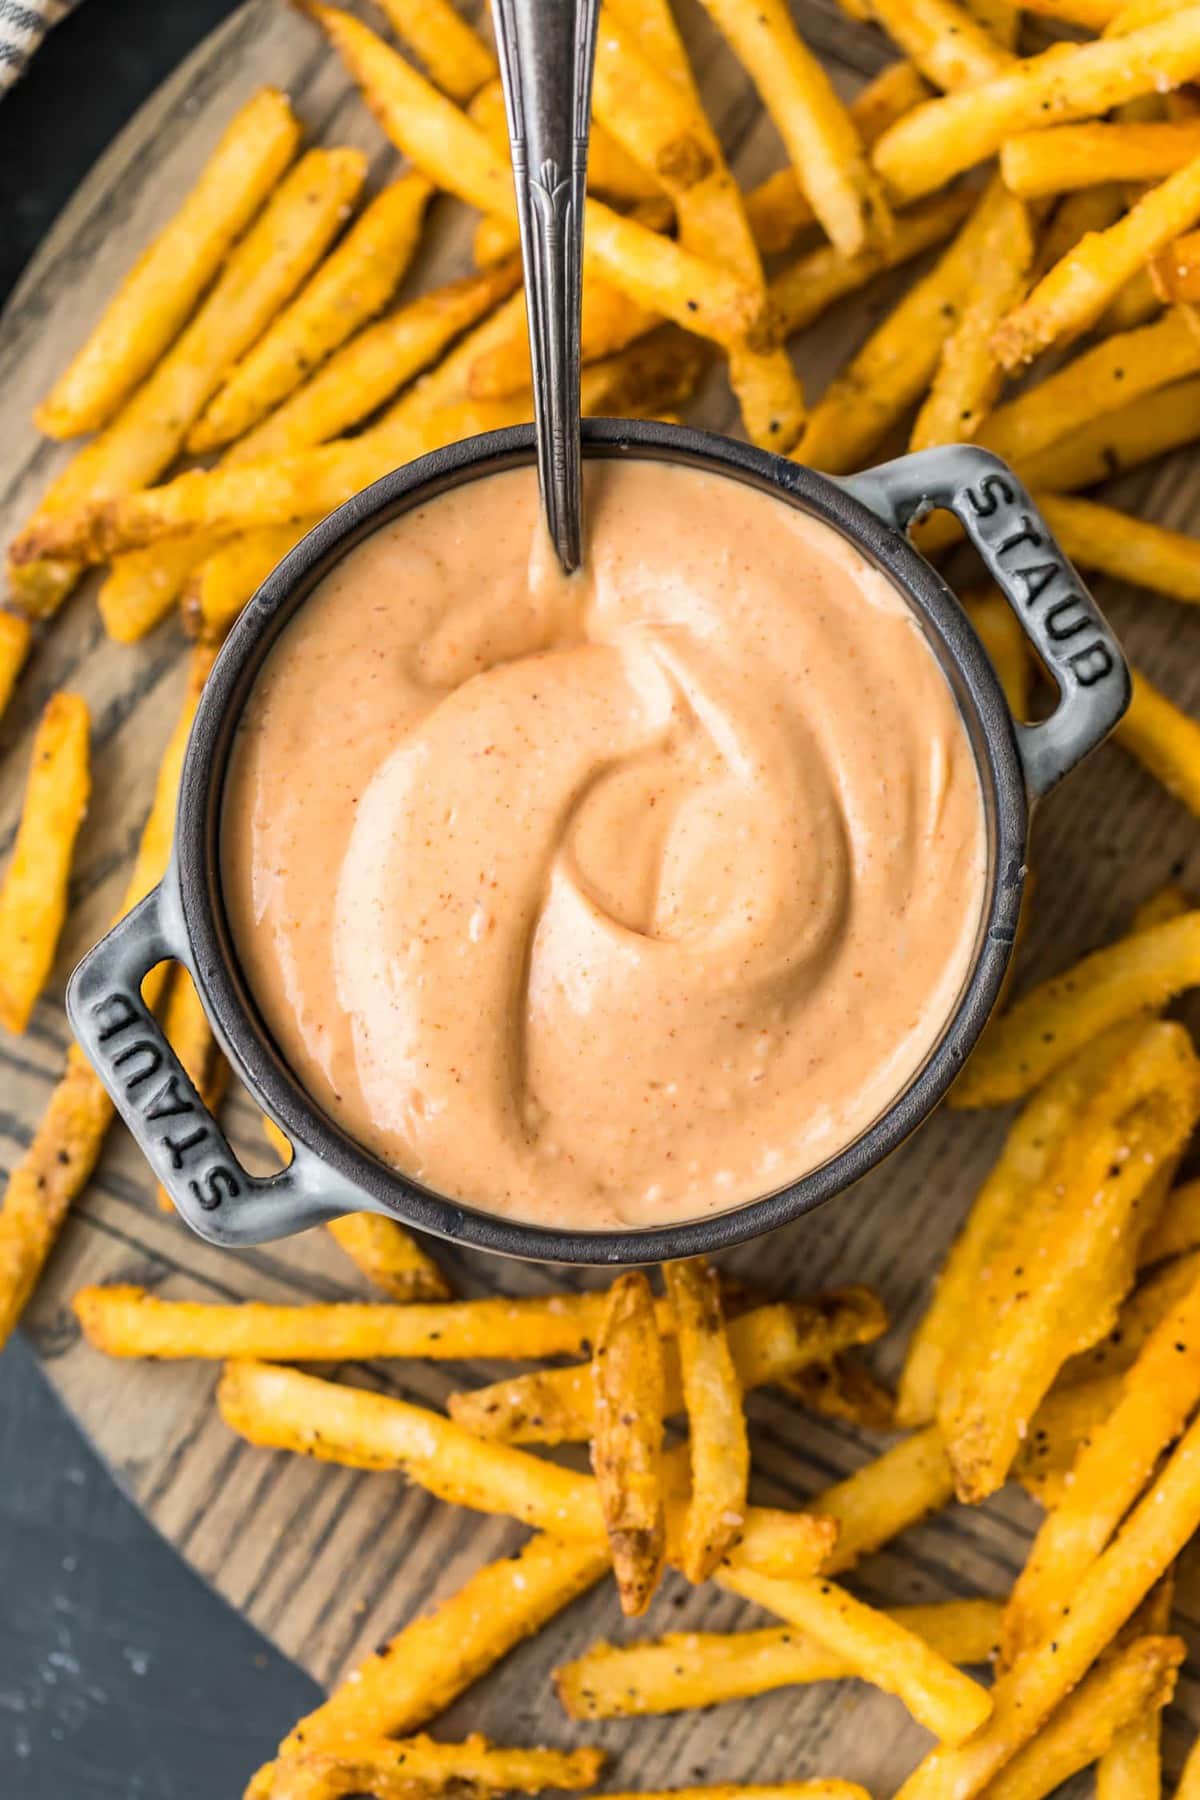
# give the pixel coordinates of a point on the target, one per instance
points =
(155, 1096)
(1058, 614)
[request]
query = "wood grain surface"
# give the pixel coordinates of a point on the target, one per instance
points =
(328, 1562)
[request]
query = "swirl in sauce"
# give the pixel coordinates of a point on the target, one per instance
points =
(610, 900)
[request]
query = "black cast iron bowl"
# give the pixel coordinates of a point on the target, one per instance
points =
(184, 917)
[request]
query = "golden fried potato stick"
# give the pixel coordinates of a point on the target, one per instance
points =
(1131, 1767)
(436, 1657)
(1155, 423)
(33, 894)
(1079, 1229)
(778, 209)
(1158, 1395)
(15, 636)
(1101, 381)
(968, 377)
(687, 1670)
(768, 1344)
(377, 363)
(1144, 1548)
(1003, 637)
(627, 1439)
(645, 111)
(187, 1030)
(1049, 1024)
(819, 135)
(491, 1768)
(129, 1321)
(353, 284)
(1177, 1228)
(1115, 543)
(611, 170)
(877, 1647)
(1175, 271)
(1188, 1787)
(1164, 739)
(1139, 1316)
(1063, 1422)
(610, 321)
(939, 140)
(1075, 156)
(455, 154)
(164, 285)
(283, 1409)
(843, 1389)
(227, 578)
(455, 56)
(949, 47)
(1072, 296)
(896, 1489)
(390, 1257)
(1129, 1686)
(1034, 1139)
(712, 217)
(801, 291)
(1167, 902)
(63, 1152)
(898, 360)
(718, 1441)
(139, 589)
(262, 273)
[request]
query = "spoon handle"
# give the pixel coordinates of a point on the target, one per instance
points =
(547, 48)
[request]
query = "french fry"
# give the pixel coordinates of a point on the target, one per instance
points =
(1061, 1016)
(1144, 1548)
(1175, 271)
(819, 135)
(610, 321)
(843, 1389)
(140, 589)
(129, 1321)
(369, 1764)
(33, 895)
(1139, 1316)
(611, 170)
(718, 1443)
(283, 1409)
(942, 39)
(691, 1669)
(1035, 163)
(877, 1647)
(260, 276)
(885, 1496)
(778, 209)
(1164, 739)
(66, 1144)
(232, 574)
(627, 1439)
(1189, 1775)
(897, 362)
(1034, 1139)
(1080, 1229)
(1114, 543)
(189, 1034)
(1076, 290)
(1101, 381)
(944, 137)
(456, 57)
(799, 293)
(164, 285)
(15, 636)
(1155, 423)
(968, 377)
(1063, 1423)
(1129, 1685)
(1169, 902)
(1158, 1396)
(353, 284)
(1177, 1228)
(1004, 640)
(1078, 213)
(768, 1343)
(455, 154)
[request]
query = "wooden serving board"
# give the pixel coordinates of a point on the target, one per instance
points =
(328, 1562)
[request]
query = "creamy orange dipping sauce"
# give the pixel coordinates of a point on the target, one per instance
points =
(610, 900)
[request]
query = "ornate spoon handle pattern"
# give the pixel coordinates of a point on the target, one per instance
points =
(547, 48)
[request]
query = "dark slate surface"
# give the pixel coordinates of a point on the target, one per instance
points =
(120, 1674)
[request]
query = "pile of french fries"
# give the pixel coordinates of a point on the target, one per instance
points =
(1040, 167)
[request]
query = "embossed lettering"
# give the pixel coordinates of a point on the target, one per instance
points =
(168, 1102)
(1066, 618)
(1037, 578)
(992, 492)
(179, 1147)
(1028, 534)
(1091, 664)
(207, 1193)
(122, 1014)
(153, 1064)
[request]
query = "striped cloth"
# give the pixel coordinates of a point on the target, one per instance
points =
(23, 25)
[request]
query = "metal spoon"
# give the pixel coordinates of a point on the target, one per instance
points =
(547, 48)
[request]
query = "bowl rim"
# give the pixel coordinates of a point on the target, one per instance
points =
(196, 879)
